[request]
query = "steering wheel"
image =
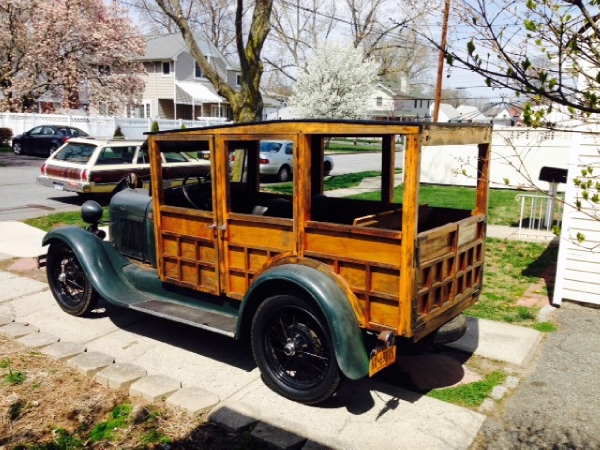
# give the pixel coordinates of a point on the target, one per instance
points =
(206, 200)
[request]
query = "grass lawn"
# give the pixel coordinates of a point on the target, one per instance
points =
(510, 268)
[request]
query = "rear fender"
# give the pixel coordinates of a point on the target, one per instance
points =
(322, 288)
(100, 261)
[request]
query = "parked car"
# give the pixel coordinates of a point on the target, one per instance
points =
(277, 158)
(102, 166)
(44, 139)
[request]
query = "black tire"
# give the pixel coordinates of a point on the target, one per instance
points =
(68, 281)
(284, 174)
(449, 332)
(293, 349)
(326, 168)
(52, 149)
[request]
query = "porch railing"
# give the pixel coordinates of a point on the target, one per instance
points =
(539, 213)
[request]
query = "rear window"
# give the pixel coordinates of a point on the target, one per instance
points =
(75, 153)
(270, 147)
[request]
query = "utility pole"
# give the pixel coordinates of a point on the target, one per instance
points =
(438, 88)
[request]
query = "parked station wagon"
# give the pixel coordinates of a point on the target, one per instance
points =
(325, 287)
(102, 166)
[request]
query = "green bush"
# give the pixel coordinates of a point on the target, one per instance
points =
(118, 133)
(154, 127)
(6, 135)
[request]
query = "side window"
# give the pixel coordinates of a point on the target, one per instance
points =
(115, 155)
(289, 149)
(166, 68)
(143, 156)
(47, 131)
(174, 157)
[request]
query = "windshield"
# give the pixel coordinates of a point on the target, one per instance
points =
(75, 153)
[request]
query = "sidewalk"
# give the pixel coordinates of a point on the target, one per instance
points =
(201, 372)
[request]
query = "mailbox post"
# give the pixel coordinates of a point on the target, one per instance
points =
(553, 175)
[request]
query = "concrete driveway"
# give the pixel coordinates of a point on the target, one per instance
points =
(199, 371)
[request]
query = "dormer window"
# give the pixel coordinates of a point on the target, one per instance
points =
(198, 71)
(379, 101)
(166, 68)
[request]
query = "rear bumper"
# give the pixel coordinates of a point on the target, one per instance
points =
(81, 187)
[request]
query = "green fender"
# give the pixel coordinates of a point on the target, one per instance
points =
(348, 342)
(100, 261)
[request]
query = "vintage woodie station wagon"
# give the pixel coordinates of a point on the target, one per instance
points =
(324, 286)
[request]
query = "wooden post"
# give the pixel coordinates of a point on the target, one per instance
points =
(410, 218)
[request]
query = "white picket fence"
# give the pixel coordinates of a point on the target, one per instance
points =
(98, 126)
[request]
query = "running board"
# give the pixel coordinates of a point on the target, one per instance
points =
(207, 320)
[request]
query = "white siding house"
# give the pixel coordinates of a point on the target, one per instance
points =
(578, 270)
(176, 88)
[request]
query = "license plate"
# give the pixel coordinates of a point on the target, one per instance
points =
(59, 186)
(381, 358)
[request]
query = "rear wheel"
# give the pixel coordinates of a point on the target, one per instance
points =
(68, 281)
(284, 174)
(293, 349)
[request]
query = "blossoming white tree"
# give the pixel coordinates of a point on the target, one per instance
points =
(67, 51)
(337, 84)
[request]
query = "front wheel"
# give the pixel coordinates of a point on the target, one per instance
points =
(68, 281)
(293, 349)
(18, 149)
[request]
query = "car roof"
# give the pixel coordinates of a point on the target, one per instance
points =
(96, 141)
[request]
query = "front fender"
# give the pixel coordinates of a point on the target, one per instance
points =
(348, 342)
(100, 261)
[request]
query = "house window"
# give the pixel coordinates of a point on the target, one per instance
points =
(198, 71)
(238, 80)
(103, 70)
(141, 111)
(166, 68)
(415, 104)
(421, 103)
(379, 101)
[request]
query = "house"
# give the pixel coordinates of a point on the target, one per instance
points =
(578, 265)
(446, 113)
(389, 104)
(176, 88)
(469, 114)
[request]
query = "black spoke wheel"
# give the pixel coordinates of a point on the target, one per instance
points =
(293, 349)
(68, 281)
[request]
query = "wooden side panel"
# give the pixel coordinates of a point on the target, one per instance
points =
(251, 242)
(187, 250)
(370, 264)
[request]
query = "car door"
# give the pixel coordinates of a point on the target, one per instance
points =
(30, 140)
